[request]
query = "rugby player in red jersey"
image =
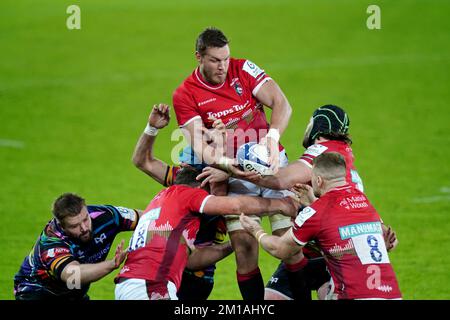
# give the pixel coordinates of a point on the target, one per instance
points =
(196, 284)
(327, 131)
(234, 91)
(165, 235)
(348, 230)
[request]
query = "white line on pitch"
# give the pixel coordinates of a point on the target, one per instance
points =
(437, 198)
(432, 199)
(7, 143)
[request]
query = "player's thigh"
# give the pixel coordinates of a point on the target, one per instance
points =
(316, 273)
(278, 287)
(244, 243)
(278, 222)
(237, 187)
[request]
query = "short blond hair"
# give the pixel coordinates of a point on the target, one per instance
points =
(330, 166)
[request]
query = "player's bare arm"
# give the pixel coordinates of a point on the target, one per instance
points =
(143, 153)
(91, 272)
(271, 95)
(203, 257)
(282, 247)
(209, 153)
(251, 205)
(286, 177)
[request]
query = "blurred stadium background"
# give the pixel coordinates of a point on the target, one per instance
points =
(74, 102)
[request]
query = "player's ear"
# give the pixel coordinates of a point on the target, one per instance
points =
(319, 181)
(198, 56)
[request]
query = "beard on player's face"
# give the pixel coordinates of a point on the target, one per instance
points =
(210, 75)
(214, 64)
(79, 227)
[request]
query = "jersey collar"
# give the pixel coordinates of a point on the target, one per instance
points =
(200, 79)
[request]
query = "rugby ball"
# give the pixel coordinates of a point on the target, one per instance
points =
(254, 157)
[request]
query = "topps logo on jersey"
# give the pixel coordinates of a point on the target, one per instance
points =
(252, 69)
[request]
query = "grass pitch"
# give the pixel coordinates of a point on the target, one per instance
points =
(74, 102)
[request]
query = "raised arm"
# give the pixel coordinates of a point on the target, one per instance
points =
(212, 155)
(270, 95)
(143, 157)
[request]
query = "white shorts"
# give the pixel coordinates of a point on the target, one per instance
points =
(238, 187)
(140, 289)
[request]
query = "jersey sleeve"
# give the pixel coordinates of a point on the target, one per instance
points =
(185, 107)
(171, 175)
(195, 199)
(55, 257)
(125, 218)
(255, 76)
(306, 225)
(311, 153)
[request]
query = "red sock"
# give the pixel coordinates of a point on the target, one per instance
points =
(251, 285)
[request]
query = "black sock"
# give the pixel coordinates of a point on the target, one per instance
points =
(297, 280)
(251, 285)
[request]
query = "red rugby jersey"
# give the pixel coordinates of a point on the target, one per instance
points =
(160, 244)
(348, 230)
(341, 147)
(233, 102)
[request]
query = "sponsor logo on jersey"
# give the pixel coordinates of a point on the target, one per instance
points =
(354, 230)
(252, 69)
(224, 113)
(237, 86)
(126, 213)
(51, 253)
(124, 269)
(344, 203)
(99, 255)
(54, 251)
(152, 214)
(206, 101)
(304, 215)
(100, 239)
(338, 251)
(316, 150)
(354, 202)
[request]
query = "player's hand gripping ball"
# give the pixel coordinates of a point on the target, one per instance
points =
(254, 157)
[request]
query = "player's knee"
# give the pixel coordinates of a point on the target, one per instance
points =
(243, 243)
(274, 295)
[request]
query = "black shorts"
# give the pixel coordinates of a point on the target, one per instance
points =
(316, 275)
(194, 288)
(43, 295)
